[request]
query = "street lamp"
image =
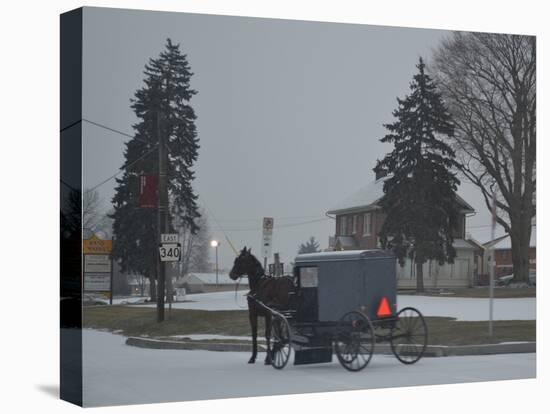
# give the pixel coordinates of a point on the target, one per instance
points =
(215, 244)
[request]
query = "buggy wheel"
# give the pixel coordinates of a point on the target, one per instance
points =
(354, 342)
(409, 336)
(280, 342)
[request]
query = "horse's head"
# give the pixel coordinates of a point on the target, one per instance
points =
(245, 264)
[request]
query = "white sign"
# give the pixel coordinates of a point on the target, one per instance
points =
(169, 238)
(97, 282)
(170, 252)
(267, 236)
(97, 263)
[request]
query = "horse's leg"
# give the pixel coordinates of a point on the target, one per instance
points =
(253, 316)
(268, 322)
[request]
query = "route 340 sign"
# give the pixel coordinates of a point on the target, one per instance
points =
(170, 252)
(169, 249)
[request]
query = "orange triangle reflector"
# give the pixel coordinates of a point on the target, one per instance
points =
(384, 308)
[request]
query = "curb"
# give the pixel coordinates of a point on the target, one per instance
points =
(463, 350)
(190, 345)
(431, 350)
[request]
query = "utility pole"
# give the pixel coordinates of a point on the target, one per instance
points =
(162, 215)
(217, 282)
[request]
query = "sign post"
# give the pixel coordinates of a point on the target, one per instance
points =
(492, 264)
(169, 251)
(267, 238)
(98, 266)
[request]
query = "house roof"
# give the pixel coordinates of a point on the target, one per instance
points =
(367, 197)
(463, 244)
(504, 242)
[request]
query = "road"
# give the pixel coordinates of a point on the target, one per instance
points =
(115, 373)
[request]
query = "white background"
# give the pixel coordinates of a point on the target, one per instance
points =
(30, 210)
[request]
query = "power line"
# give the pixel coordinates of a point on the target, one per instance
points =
(123, 168)
(116, 131)
(259, 219)
(97, 124)
(221, 228)
(251, 229)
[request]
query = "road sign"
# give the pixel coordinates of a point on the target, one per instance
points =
(95, 245)
(268, 223)
(170, 252)
(267, 236)
(169, 238)
(97, 263)
(97, 282)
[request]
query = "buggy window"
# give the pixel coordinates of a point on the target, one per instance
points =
(308, 277)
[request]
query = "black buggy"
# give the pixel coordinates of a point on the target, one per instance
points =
(345, 303)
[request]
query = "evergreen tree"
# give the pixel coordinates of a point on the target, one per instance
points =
(311, 246)
(162, 107)
(420, 192)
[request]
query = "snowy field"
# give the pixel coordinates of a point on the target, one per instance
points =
(115, 373)
(464, 309)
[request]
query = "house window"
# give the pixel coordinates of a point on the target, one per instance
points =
(354, 225)
(367, 224)
(342, 225)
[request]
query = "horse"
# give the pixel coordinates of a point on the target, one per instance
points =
(271, 291)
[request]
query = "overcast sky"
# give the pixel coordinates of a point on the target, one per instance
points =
(290, 113)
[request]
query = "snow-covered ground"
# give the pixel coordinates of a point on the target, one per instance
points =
(465, 309)
(115, 373)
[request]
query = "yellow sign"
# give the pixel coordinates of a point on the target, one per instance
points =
(97, 246)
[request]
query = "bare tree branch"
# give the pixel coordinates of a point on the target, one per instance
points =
(489, 84)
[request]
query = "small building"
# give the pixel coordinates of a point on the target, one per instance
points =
(190, 283)
(359, 219)
(503, 254)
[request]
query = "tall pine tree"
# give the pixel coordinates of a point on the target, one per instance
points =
(165, 97)
(420, 192)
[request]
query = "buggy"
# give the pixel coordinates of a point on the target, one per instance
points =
(344, 303)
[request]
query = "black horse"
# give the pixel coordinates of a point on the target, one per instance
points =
(271, 291)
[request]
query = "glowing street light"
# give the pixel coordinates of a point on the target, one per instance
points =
(215, 244)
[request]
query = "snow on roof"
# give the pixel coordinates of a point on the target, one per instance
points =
(505, 243)
(365, 196)
(463, 244)
(210, 278)
(368, 196)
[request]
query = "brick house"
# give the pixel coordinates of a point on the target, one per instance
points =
(358, 220)
(503, 255)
